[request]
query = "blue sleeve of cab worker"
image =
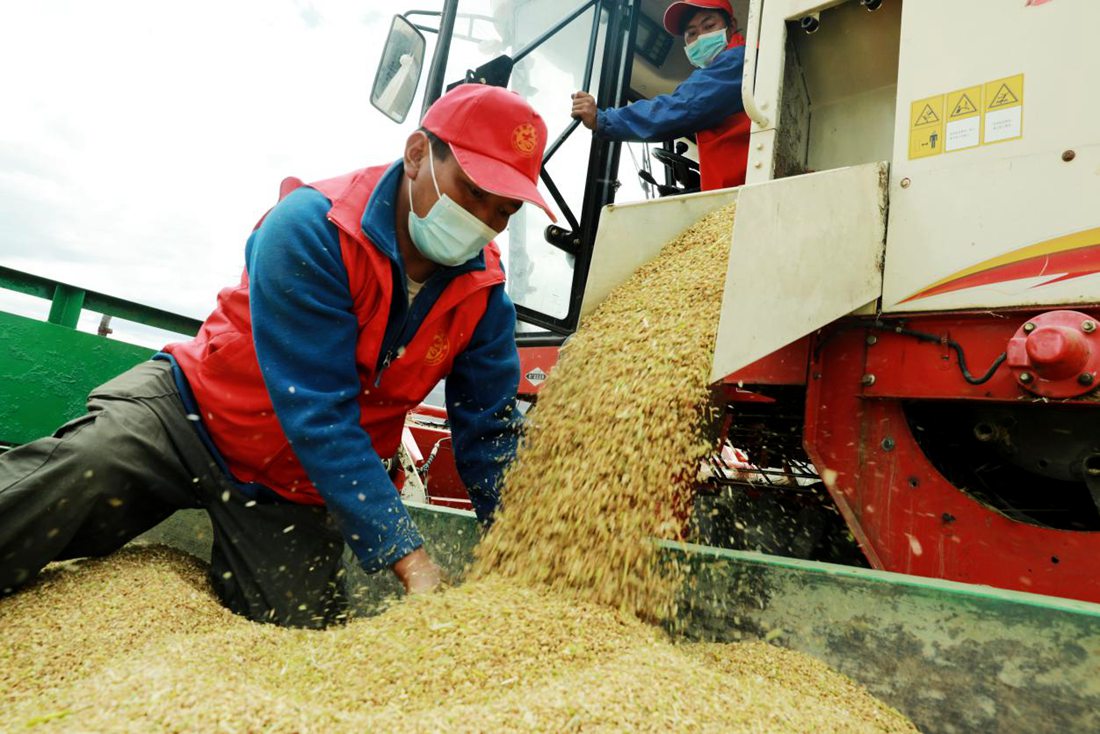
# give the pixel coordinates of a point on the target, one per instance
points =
(700, 102)
(481, 404)
(305, 335)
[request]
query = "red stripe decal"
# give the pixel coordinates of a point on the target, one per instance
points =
(1061, 265)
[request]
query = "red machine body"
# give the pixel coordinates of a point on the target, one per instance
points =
(868, 385)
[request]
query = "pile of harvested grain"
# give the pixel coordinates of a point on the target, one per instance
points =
(137, 642)
(487, 656)
(614, 440)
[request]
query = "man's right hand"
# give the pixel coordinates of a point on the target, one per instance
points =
(584, 109)
(418, 572)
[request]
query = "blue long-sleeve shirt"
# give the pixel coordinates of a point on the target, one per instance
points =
(305, 333)
(702, 101)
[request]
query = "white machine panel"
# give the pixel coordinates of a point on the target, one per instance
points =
(806, 251)
(996, 166)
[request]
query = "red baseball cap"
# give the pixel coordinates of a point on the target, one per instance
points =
(674, 16)
(496, 137)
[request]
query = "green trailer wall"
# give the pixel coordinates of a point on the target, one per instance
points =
(47, 370)
(953, 657)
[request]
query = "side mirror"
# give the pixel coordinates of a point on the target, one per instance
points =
(399, 70)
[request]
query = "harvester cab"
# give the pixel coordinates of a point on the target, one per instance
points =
(908, 335)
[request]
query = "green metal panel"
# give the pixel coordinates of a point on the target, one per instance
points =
(953, 657)
(46, 372)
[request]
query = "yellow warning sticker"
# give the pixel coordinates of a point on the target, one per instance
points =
(1003, 109)
(926, 121)
(964, 119)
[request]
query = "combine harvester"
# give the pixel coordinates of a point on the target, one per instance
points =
(908, 340)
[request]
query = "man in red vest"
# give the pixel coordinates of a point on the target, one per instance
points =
(707, 104)
(359, 294)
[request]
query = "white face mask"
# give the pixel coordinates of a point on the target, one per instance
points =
(447, 234)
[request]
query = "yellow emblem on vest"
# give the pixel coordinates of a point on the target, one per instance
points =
(438, 351)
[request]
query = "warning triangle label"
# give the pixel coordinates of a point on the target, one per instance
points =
(927, 116)
(964, 107)
(1003, 98)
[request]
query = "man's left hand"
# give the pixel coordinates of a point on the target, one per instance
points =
(418, 572)
(584, 109)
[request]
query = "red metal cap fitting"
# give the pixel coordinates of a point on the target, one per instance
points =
(1056, 354)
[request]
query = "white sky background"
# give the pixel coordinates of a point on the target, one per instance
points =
(141, 140)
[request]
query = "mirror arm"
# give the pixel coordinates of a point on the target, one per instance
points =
(429, 13)
(433, 87)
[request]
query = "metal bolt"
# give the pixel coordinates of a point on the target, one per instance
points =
(1025, 377)
(1029, 327)
(867, 380)
(1092, 465)
(872, 340)
(984, 432)
(1089, 326)
(905, 182)
(1086, 378)
(887, 444)
(758, 164)
(1068, 156)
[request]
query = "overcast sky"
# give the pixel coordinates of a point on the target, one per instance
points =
(141, 140)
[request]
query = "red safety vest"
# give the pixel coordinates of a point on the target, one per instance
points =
(724, 148)
(221, 367)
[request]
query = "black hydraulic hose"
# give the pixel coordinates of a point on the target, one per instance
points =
(422, 470)
(954, 345)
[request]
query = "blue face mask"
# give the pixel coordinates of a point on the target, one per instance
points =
(703, 49)
(448, 234)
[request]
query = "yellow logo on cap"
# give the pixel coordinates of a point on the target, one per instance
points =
(525, 139)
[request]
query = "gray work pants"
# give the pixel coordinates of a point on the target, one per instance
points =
(129, 463)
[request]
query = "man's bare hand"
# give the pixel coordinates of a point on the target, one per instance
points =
(418, 572)
(584, 109)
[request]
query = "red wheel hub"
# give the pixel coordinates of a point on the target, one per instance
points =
(1056, 354)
